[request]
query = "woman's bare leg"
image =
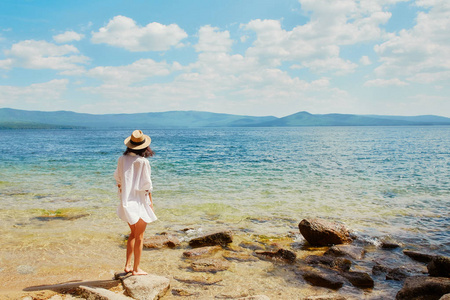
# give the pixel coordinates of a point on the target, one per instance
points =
(130, 248)
(139, 229)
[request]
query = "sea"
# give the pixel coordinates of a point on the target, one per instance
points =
(58, 195)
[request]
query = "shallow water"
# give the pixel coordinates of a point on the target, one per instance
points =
(380, 181)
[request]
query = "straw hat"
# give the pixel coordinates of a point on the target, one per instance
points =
(137, 140)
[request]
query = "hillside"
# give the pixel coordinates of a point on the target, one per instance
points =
(13, 118)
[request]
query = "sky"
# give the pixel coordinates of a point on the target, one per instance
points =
(247, 57)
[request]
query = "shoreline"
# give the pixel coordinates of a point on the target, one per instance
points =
(259, 276)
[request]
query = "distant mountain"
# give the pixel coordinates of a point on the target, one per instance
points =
(306, 119)
(13, 118)
(170, 119)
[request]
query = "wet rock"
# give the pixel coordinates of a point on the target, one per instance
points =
(255, 297)
(199, 279)
(238, 256)
(183, 292)
(418, 256)
(146, 286)
(96, 293)
(338, 263)
(423, 287)
(324, 278)
(389, 245)
(325, 297)
(202, 251)
(219, 238)
(319, 232)
(359, 279)
(379, 269)
(161, 241)
(439, 266)
(346, 250)
(282, 254)
(397, 274)
(212, 265)
(251, 246)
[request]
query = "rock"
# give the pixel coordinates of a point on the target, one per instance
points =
(212, 265)
(161, 241)
(251, 246)
(219, 238)
(359, 279)
(397, 274)
(238, 256)
(418, 256)
(282, 254)
(96, 293)
(255, 297)
(379, 269)
(439, 266)
(346, 250)
(445, 297)
(202, 251)
(389, 245)
(183, 292)
(325, 297)
(320, 232)
(318, 277)
(146, 286)
(201, 280)
(423, 287)
(338, 263)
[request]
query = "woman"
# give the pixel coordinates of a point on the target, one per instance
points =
(135, 187)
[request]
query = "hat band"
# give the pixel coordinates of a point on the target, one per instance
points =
(137, 143)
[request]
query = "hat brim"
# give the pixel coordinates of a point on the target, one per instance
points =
(129, 145)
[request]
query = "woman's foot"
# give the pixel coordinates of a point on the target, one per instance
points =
(139, 272)
(128, 269)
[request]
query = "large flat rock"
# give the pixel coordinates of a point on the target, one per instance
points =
(146, 287)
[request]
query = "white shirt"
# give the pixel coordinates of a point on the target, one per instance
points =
(133, 174)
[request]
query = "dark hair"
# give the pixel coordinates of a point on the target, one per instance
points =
(146, 152)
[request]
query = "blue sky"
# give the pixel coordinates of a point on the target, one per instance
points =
(241, 57)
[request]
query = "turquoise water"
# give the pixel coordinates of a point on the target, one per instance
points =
(379, 181)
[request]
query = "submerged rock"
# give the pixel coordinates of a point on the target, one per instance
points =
(202, 251)
(325, 297)
(359, 279)
(100, 293)
(338, 263)
(319, 232)
(346, 250)
(423, 287)
(238, 256)
(439, 266)
(211, 265)
(397, 274)
(145, 287)
(328, 279)
(219, 238)
(282, 254)
(418, 256)
(161, 241)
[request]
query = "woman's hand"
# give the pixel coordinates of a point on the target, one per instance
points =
(151, 201)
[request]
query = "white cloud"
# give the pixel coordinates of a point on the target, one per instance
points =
(422, 52)
(212, 40)
(365, 61)
(135, 72)
(385, 82)
(33, 54)
(123, 32)
(68, 36)
(39, 93)
(316, 44)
